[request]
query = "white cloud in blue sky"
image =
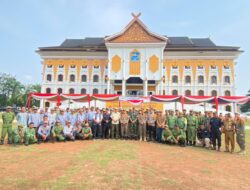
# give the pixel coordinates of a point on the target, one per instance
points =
(26, 25)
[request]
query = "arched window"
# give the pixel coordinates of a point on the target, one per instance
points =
(228, 108)
(47, 104)
(227, 93)
(214, 80)
(72, 78)
(187, 79)
(95, 91)
(59, 91)
(175, 79)
(226, 79)
(201, 93)
(188, 93)
(71, 91)
(83, 91)
(49, 77)
(214, 93)
(60, 78)
(95, 78)
(175, 92)
(200, 79)
(48, 90)
(84, 78)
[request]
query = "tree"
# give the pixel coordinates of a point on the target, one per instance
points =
(246, 107)
(14, 93)
(10, 89)
(28, 89)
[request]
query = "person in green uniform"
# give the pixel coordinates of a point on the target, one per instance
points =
(192, 125)
(133, 128)
(171, 122)
(30, 135)
(179, 136)
(181, 122)
(57, 131)
(18, 135)
(8, 118)
(87, 132)
(167, 136)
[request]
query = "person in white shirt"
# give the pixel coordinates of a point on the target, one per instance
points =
(52, 117)
(115, 116)
(22, 118)
(68, 131)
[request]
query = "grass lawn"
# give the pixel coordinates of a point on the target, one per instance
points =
(118, 164)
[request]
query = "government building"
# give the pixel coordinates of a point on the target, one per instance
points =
(139, 62)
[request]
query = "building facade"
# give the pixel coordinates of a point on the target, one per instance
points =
(138, 62)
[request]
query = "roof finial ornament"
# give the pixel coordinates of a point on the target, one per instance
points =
(136, 16)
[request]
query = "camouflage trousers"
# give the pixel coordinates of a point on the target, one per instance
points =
(17, 139)
(133, 129)
(240, 138)
(29, 139)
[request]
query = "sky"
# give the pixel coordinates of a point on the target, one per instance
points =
(26, 25)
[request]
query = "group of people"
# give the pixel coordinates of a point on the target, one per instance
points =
(171, 127)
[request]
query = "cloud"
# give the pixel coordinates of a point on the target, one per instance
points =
(28, 77)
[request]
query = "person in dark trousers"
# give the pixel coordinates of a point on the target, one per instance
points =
(215, 131)
(106, 122)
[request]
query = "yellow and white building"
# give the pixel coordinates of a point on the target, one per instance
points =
(137, 61)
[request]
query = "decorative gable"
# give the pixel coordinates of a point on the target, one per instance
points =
(135, 32)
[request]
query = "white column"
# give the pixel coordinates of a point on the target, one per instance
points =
(108, 86)
(123, 87)
(108, 81)
(42, 103)
(161, 87)
(145, 87)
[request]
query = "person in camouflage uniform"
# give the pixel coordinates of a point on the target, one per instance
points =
(30, 134)
(240, 133)
(18, 135)
(142, 120)
(171, 120)
(192, 125)
(133, 127)
(8, 118)
(57, 131)
(229, 131)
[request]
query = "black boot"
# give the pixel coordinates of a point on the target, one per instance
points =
(194, 143)
(190, 143)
